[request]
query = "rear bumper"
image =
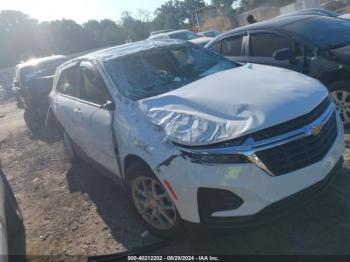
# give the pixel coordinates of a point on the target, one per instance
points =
(275, 210)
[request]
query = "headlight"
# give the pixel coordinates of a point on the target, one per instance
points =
(200, 157)
(217, 159)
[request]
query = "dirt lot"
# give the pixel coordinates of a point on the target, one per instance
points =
(74, 210)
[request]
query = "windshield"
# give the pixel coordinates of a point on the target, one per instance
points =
(164, 69)
(326, 32)
(185, 35)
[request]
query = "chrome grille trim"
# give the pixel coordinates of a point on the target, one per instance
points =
(250, 147)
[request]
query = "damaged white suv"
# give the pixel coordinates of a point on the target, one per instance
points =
(199, 139)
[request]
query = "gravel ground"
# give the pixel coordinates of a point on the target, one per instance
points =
(74, 210)
(67, 209)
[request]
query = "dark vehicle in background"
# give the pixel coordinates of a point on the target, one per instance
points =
(313, 11)
(318, 46)
(161, 31)
(211, 33)
(33, 82)
(318, 11)
(186, 35)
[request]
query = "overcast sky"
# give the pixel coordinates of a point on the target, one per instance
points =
(78, 10)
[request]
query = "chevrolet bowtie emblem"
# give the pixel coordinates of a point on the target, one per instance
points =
(316, 130)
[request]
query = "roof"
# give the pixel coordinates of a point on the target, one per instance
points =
(34, 62)
(276, 23)
(132, 48)
(313, 11)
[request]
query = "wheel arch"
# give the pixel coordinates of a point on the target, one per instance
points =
(131, 159)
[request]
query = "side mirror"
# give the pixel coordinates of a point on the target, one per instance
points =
(109, 106)
(285, 54)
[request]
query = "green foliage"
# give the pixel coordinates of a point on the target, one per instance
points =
(22, 38)
(176, 14)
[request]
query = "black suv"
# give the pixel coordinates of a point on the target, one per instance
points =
(318, 46)
(33, 82)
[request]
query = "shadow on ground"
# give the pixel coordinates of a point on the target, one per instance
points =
(112, 203)
(38, 130)
(320, 227)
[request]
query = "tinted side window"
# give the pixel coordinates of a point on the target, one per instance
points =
(232, 46)
(93, 88)
(68, 84)
(216, 47)
(265, 45)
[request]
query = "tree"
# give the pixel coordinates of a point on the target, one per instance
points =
(226, 9)
(18, 37)
(93, 32)
(190, 6)
(136, 29)
(170, 15)
(112, 34)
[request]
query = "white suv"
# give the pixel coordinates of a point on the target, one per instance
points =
(199, 139)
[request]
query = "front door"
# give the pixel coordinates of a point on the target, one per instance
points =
(262, 46)
(96, 123)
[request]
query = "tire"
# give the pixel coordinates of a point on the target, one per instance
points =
(340, 91)
(166, 222)
(69, 147)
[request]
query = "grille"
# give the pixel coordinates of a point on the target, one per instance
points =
(292, 124)
(302, 152)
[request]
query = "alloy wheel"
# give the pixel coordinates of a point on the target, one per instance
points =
(342, 101)
(153, 203)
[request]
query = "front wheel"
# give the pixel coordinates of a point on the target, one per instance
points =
(153, 203)
(340, 91)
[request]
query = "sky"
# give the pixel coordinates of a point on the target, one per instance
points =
(78, 10)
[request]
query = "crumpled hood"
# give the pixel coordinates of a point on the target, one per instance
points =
(343, 54)
(233, 103)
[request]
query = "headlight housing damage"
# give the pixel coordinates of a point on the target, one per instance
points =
(217, 159)
(202, 157)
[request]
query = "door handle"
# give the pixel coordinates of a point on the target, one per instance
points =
(78, 111)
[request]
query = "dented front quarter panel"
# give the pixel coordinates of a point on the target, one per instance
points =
(134, 134)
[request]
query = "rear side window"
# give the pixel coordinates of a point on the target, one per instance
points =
(68, 83)
(265, 45)
(216, 47)
(93, 88)
(232, 46)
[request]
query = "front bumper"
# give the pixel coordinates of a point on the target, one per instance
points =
(275, 210)
(255, 187)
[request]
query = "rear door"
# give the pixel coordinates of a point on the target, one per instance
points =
(262, 46)
(96, 123)
(64, 103)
